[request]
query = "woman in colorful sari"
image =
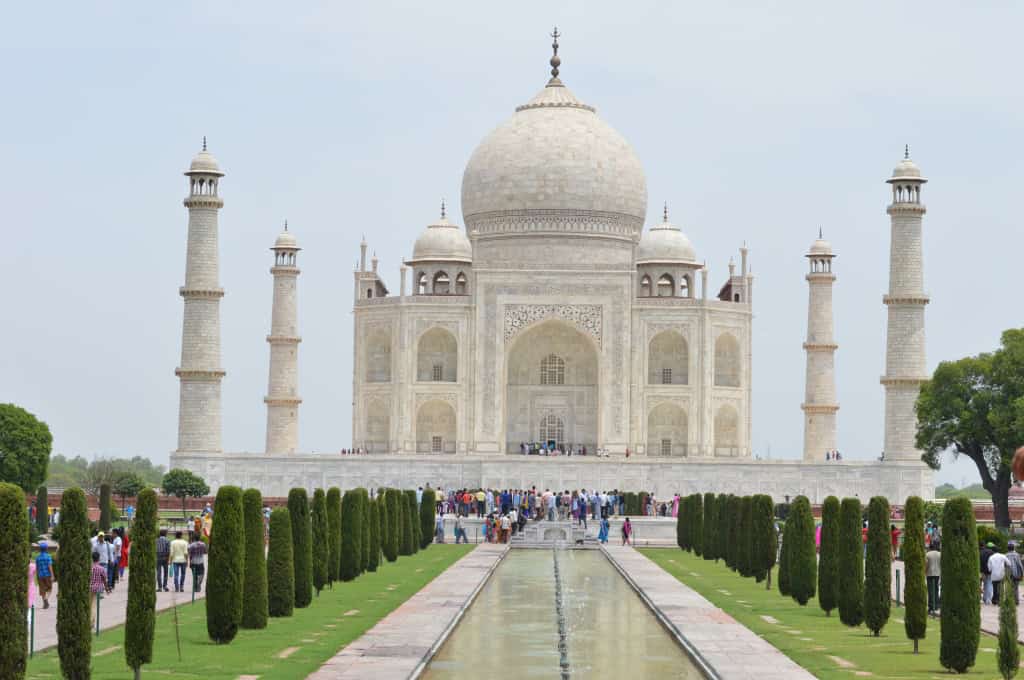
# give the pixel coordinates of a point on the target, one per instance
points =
(675, 505)
(602, 535)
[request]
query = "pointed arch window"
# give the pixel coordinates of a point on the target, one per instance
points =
(552, 370)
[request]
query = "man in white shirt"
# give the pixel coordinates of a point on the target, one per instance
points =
(997, 569)
(506, 528)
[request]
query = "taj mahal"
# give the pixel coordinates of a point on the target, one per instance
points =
(553, 320)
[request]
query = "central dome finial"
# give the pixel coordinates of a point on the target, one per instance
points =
(555, 61)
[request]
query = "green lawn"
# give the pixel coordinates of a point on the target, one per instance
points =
(823, 646)
(334, 619)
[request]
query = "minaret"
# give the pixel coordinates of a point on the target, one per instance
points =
(820, 405)
(199, 422)
(904, 342)
(282, 392)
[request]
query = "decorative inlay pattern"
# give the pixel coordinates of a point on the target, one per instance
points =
(598, 222)
(586, 318)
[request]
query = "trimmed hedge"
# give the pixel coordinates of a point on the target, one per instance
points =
(74, 624)
(763, 543)
(1009, 649)
(393, 542)
(709, 541)
(803, 558)
(428, 508)
(14, 530)
(414, 519)
(254, 604)
(961, 611)
(42, 516)
(351, 535)
(321, 541)
(828, 565)
(735, 532)
(878, 567)
(227, 566)
(302, 548)
(280, 565)
(746, 537)
(374, 527)
(681, 525)
(787, 545)
(105, 507)
(697, 524)
(722, 527)
(364, 514)
(333, 534)
(915, 592)
(851, 564)
(140, 617)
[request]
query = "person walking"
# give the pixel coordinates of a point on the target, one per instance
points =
(179, 561)
(932, 572)
(116, 544)
(986, 576)
(602, 535)
(126, 545)
(102, 549)
(163, 555)
(44, 573)
(439, 528)
(996, 573)
(460, 532)
(894, 535)
(197, 562)
(627, 532)
(97, 584)
(1014, 569)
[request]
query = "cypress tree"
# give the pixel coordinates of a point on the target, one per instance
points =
(140, 617)
(74, 634)
(409, 522)
(374, 515)
(851, 564)
(382, 524)
(415, 517)
(280, 565)
(351, 535)
(763, 543)
(302, 548)
(681, 524)
(333, 534)
(697, 524)
(961, 611)
(735, 531)
(722, 526)
(321, 540)
(428, 504)
(254, 603)
(787, 544)
(915, 592)
(708, 542)
(14, 529)
(878, 568)
(394, 534)
(364, 516)
(828, 565)
(227, 567)
(803, 558)
(105, 507)
(42, 516)
(746, 547)
(1009, 649)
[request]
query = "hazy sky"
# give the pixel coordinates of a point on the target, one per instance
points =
(759, 122)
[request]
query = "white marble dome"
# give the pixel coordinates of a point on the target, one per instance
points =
(907, 169)
(554, 166)
(204, 163)
(665, 243)
(286, 241)
(442, 241)
(821, 247)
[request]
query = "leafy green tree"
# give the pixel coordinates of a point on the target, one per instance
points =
(140, 621)
(302, 546)
(374, 527)
(25, 444)
(333, 534)
(74, 637)
(105, 507)
(428, 505)
(321, 545)
(42, 514)
(851, 564)
(803, 559)
(961, 612)
(1009, 648)
(183, 484)
(280, 565)
(974, 407)
(828, 565)
(915, 592)
(351, 535)
(697, 525)
(254, 606)
(878, 567)
(227, 567)
(394, 534)
(764, 543)
(722, 527)
(787, 544)
(708, 539)
(13, 584)
(127, 485)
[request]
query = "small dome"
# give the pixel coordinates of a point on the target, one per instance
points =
(821, 247)
(665, 243)
(204, 163)
(906, 170)
(286, 240)
(443, 241)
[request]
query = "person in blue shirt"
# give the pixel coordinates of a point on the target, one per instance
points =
(44, 573)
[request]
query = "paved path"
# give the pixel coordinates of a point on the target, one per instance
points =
(732, 650)
(112, 613)
(407, 638)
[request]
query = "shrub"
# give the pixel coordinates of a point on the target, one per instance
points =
(254, 605)
(227, 565)
(708, 541)
(961, 611)
(374, 526)
(320, 540)
(428, 505)
(803, 558)
(333, 534)
(987, 534)
(74, 635)
(140, 618)
(878, 567)
(105, 507)
(787, 543)
(394, 533)
(697, 525)
(915, 592)
(851, 564)
(763, 544)
(351, 535)
(721, 526)
(1009, 649)
(42, 516)
(828, 565)
(302, 548)
(14, 529)
(280, 565)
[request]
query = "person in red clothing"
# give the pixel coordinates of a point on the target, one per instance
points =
(125, 546)
(895, 533)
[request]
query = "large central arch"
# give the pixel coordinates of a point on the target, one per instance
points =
(552, 375)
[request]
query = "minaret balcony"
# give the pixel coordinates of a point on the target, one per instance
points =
(821, 346)
(819, 408)
(199, 374)
(200, 201)
(284, 339)
(903, 380)
(906, 209)
(920, 299)
(201, 292)
(282, 401)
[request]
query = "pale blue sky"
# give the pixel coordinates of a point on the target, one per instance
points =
(755, 121)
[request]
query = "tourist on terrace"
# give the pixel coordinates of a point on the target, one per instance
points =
(932, 572)
(602, 535)
(627, 532)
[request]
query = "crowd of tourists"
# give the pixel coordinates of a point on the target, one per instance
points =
(533, 504)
